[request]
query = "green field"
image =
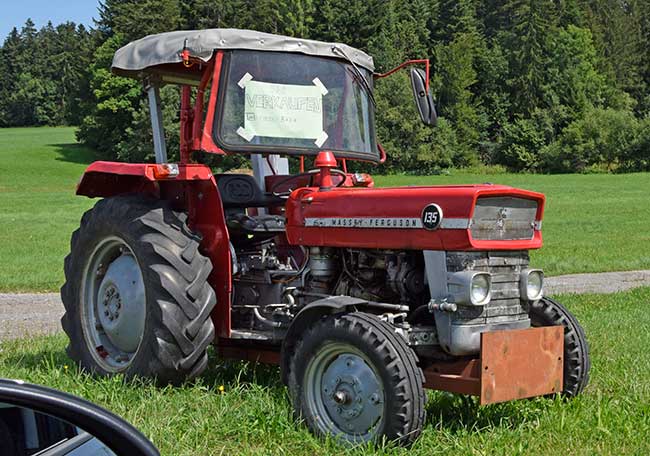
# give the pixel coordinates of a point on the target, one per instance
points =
(593, 222)
(253, 416)
(38, 208)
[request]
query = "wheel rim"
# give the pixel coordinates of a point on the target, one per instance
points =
(344, 393)
(114, 304)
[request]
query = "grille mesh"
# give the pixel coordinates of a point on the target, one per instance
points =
(505, 268)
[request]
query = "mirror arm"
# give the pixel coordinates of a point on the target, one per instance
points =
(405, 64)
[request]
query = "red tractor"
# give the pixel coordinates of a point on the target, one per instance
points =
(363, 296)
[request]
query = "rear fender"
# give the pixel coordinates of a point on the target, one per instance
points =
(193, 191)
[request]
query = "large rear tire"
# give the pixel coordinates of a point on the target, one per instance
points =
(547, 312)
(137, 300)
(353, 378)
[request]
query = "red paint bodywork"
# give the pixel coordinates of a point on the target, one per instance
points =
(456, 202)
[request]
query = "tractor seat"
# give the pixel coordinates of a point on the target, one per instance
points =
(254, 228)
(242, 191)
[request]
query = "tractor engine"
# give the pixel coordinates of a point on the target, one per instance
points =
(474, 292)
(373, 275)
(262, 300)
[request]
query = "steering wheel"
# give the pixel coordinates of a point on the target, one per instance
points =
(311, 173)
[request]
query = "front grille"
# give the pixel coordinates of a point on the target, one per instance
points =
(503, 218)
(505, 268)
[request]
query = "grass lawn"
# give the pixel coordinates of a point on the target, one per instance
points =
(253, 416)
(592, 222)
(38, 208)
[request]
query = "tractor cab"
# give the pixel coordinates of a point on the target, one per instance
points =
(269, 95)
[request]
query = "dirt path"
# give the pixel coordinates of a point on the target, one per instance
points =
(602, 282)
(31, 314)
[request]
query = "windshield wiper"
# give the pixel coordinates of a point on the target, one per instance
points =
(360, 77)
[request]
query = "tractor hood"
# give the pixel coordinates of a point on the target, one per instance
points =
(471, 217)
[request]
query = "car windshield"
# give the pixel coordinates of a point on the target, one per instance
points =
(292, 103)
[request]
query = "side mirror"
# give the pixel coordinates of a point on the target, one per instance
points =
(52, 423)
(423, 98)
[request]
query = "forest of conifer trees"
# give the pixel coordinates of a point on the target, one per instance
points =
(533, 85)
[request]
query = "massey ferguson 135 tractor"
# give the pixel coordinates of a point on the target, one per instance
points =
(364, 296)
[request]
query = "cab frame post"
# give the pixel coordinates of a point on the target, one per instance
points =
(159, 145)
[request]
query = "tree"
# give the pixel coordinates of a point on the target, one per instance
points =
(460, 43)
(525, 38)
(512, 78)
(115, 100)
(9, 70)
(573, 77)
(618, 30)
(602, 138)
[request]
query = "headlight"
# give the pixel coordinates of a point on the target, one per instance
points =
(480, 289)
(531, 284)
(469, 288)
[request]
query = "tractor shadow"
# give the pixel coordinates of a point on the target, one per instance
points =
(74, 153)
(220, 372)
(457, 413)
(47, 358)
(233, 373)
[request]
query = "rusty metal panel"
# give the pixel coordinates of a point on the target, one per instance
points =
(521, 363)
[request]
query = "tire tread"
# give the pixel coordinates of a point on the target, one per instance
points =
(177, 286)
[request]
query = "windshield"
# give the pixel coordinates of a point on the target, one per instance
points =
(292, 103)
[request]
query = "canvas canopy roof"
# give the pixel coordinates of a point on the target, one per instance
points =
(165, 48)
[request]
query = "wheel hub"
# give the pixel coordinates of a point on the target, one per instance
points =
(121, 304)
(341, 397)
(352, 394)
(112, 302)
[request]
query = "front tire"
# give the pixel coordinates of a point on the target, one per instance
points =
(353, 378)
(136, 295)
(547, 312)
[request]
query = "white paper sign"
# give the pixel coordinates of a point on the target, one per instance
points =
(283, 110)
